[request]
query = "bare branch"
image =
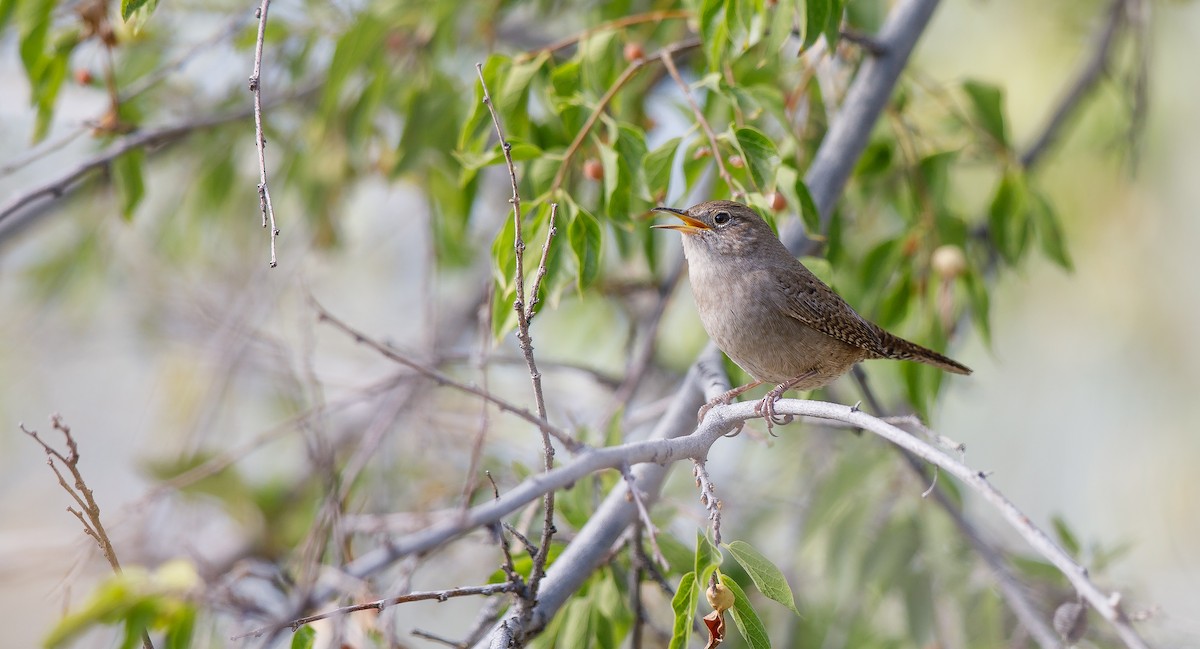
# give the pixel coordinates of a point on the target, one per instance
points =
(264, 194)
(644, 513)
(1085, 79)
(442, 379)
(380, 604)
(89, 512)
(525, 313)
(27, 204)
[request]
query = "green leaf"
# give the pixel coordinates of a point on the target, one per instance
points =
(584, 236)
(1037, 569)
(658, 166)
(6, 10)
(876, 158)
(987, 104)
(576, 626)
(130, 6)
(139, 17)
(684, 606)
(304, 637)
(808, 208)
(833, 27)
(181, 628)
(127, 175)
(357, 47)
(706, 557)
(714, 31)
(1049, 230)
(918, 605)
(1066, 537)
(523, 563)
(767, 578)
(504, 253)
(760, 155)
(511, 95)
(1007, 218)
(622, 166)
(816, 17)
(820, 267)
(746, 619)
(35, 24)
(977, 297)
(476, 130)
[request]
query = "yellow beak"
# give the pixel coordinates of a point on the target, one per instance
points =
(689, 225)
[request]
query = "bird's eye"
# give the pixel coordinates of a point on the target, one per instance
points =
(721, 218)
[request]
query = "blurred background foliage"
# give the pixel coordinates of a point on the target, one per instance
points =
(144, 292)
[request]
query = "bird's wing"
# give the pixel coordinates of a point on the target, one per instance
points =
(806, 298)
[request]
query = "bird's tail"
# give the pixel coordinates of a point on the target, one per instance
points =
(897, 348)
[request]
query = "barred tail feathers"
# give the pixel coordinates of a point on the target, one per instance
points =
(897, 348)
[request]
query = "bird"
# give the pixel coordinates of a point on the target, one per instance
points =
(770, 314)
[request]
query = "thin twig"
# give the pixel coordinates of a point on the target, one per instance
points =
(89, 510)
(524, 315)
(541, 269)
(60, 186)
(380, 605)
(433, 637)
(669, 63)
(264, 194)
(509, 568)
(1085, 79)
(620, 23)
(647, 524)
(624, 78)
(485, 316)
(442, 379)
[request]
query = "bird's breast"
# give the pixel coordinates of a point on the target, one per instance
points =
(744, 321)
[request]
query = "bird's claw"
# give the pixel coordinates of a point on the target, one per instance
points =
(766, 409)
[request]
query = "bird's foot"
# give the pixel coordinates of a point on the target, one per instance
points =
(724, 400)
(766, 408)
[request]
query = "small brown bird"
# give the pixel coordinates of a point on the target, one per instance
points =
(770, 314)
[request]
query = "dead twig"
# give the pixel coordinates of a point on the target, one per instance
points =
(264, 194)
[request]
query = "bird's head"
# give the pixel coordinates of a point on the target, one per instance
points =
(721, 227)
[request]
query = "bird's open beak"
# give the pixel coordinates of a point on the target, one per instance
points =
(689, 225)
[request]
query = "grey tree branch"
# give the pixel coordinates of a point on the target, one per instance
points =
(864, 102)
(24, 207)
(1085, 81)
(593, 542)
